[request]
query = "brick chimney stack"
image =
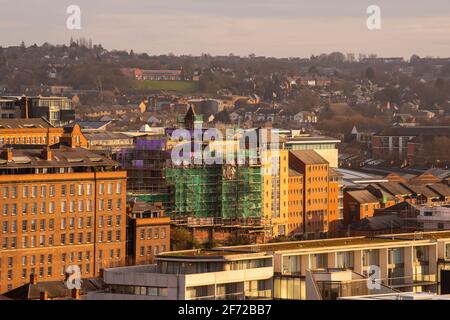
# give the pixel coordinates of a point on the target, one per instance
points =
(75, 294)
(33, 279)
(46, 153)
(7, 154)
(43, 295)
(24, 108)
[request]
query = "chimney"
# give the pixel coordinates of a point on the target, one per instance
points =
(46, 153)
(7, 154)
(24, 107)
(75, 294)
(33, 279)
(43, 295)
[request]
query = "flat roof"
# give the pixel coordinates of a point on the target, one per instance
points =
(312, 140)
(337, 243)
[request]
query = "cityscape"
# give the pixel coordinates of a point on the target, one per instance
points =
(186, 176)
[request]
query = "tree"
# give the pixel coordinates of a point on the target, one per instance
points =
(370, 73)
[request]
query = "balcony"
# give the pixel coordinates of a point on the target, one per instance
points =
(247, 295)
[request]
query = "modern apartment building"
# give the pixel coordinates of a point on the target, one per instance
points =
(406, 263)
(57, 110)
(317, 189)
(295, 203)
(324, 146)
(275, 183)
(58, 207)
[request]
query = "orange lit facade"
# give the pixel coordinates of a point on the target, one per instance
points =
(148, 232)
(316, 193)
(39, 132)
(59, 208)
(295, 203)
(333, 202)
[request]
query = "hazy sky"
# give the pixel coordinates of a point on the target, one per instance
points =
(281, 28)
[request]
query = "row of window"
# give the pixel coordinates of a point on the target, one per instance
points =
(149, 250)
(66, 206)
(153, 233)
(65, 239)
(80, 223)
(72, 190)
(27, 140)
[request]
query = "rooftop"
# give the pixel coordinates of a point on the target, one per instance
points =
(24, 123)
(338, 243)
(308, 156)
(60, 157)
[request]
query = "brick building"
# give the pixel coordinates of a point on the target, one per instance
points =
(317, 204)
(60, 206)
(38, 131)
(358, 205)
(148, 232)
(295, 203)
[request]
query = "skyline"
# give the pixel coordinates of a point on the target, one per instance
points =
(284, 28)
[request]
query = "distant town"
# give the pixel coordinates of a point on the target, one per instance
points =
(354, 179)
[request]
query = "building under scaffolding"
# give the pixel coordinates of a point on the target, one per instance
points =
(145, 165)
(216, 191)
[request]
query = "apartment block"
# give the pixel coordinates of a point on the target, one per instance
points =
(316, 192)
(407, 262)
(60, 206)
(295, 203)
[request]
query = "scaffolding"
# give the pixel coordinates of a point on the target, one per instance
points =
(216, 191)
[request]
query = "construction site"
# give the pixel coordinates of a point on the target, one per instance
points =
(218, 203)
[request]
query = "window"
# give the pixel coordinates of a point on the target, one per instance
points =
(52, 190)
(109, 188)
(14, 192)
(72, 189)
(80, 189)
(5, 192)
(25, 192)
(51, 207)
(118, 187)
(63, 206)
(43, 191)
(25, 208)
(89, 189)
(34, 191)
(63, 190)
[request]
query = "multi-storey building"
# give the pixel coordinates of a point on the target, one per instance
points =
(57, 110)
(324, 146)
(275, 178)
(408, 262)
(295, 203)
(316, 192)
(59, 207)
(404, 142)
(359, 204)
(39, 132)
(148, 232)
(9, 108)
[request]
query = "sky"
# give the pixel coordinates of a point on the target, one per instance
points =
(278, 28)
